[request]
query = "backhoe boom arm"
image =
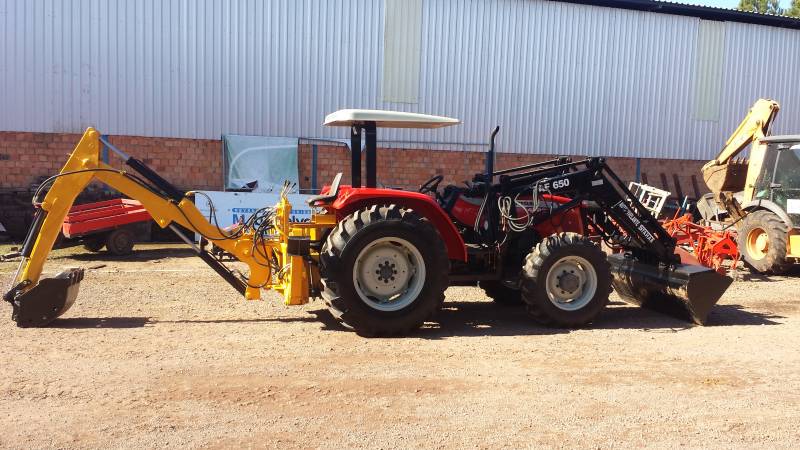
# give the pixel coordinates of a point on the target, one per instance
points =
(168, 207)
(753, 127)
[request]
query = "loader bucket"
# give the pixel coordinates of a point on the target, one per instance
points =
(48, 300)
(685, 291)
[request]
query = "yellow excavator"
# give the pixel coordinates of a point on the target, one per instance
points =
(760, 196)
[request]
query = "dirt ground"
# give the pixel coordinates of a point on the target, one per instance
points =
(160, 351)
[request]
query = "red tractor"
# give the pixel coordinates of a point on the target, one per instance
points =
(521, 233)
(382, 258)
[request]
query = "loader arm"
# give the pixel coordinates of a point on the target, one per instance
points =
(649, 272)
(168, 207)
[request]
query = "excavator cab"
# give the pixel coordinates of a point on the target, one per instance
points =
(779, 179)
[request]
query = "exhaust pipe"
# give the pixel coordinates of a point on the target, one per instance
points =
(685, 291)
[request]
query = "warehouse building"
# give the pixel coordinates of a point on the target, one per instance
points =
(657, 87)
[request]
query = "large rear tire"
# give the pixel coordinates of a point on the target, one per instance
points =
(384, 271)
(566, 281)
(501, 294)
(763, 239)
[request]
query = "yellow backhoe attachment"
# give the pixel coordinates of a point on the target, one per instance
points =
(277, 255)
(725, 175)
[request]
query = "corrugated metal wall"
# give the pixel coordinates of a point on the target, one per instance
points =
(558, 77)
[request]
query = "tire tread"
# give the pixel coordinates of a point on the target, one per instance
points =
(536, 306)
(775, 261)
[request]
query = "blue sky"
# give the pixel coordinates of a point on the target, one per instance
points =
(723, 3)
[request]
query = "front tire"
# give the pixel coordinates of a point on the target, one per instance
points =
(384, 271)
(566, 281)
(763, 239)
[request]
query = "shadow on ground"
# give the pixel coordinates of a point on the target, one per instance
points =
(137, 255)
(746, 275)
(751, 277)
(100, 322)
(135, 322)
(259, 320)
(727, 315)
(489, 319)
(475, 319)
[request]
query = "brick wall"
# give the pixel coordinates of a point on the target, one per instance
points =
(26, 158)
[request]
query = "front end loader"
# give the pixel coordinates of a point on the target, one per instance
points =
(381, 259)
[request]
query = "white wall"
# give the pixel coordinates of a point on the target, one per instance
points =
(558, 77)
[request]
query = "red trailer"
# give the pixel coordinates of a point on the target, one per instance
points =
(114, 224)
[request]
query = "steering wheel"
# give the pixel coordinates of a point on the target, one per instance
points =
(432, 185)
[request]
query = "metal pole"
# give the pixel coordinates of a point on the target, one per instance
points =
(104, 150)
(355, 156)
(125, 157)
(371, 147)
(638, 169)
(184, 238)
(314, 168)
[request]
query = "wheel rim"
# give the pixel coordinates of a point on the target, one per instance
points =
(389, 274)
(571, 283)
(757, 243)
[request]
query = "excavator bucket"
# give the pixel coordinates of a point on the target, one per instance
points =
(685, 291)
(46, 301)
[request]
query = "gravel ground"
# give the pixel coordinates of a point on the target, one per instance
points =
(159, 351)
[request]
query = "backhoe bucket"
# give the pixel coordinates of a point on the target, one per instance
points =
(729, 177)
(48, 300)
(685, 291)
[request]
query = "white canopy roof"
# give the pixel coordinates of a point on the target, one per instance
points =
(781, 139)
(387, 119)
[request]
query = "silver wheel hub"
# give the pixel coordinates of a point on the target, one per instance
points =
(571, 283)
(568, 282)
(389, 274)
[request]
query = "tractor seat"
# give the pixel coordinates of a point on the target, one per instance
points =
(333, 191)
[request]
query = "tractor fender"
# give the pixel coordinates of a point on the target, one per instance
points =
(769, 205)
(352, 199)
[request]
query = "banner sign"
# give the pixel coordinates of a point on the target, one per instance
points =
(235, 207)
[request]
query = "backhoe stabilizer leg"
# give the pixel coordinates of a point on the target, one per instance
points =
(685, 291)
